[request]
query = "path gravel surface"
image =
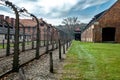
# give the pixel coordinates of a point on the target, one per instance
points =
(38, 69)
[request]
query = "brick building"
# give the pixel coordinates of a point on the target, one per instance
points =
(4, 28)
(30, 29)
(105, 26)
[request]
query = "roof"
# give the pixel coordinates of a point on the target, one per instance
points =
(28, 22)
(100, 14)
(31, 22)
(96, 17)
(77, 29)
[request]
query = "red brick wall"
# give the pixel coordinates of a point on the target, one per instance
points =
(87, 35)
(28, 23)
(112, 19)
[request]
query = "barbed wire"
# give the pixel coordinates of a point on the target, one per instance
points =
(18, 8)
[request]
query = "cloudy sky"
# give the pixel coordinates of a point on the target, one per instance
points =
(54, 11)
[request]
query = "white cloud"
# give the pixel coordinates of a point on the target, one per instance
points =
(60, 5)
(53, 21)
(55, 9)
(83, 4)
(7, 14)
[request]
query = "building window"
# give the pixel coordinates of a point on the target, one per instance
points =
(41, 24)
(10, 36)
(34, 29)
(28, 29)
(1, 25)
(5, 26)
(11, 27)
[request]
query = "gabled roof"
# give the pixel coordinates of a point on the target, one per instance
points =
(96, 17)
(100, 14)
(28, 22)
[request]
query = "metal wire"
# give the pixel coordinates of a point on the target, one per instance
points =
(21, 14)
(25, 15)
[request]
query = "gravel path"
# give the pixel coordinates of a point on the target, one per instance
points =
(38, 69)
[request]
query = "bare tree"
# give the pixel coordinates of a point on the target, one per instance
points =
(71, 23)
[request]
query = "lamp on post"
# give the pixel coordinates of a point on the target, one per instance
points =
(47, 29)
(33, 38)
(38, 37)
(52, 36)
(8, 38)
(23, 42)
(16, 37)
(44, 34)
(38, 32)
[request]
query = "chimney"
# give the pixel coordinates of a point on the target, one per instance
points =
(12, 22)
(1, 18)
(33, 19)
(7, 19)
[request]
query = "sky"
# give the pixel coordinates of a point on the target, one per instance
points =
(54, 11)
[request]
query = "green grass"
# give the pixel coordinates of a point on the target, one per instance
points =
(92, 61)
(20, 44)
(11, 44)
(1, 45)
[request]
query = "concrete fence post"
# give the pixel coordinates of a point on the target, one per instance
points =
(59, 49)
(63, 47)
(3, 44)
(22, 74)
(67, 45)
(51, 62)
(32, 44)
